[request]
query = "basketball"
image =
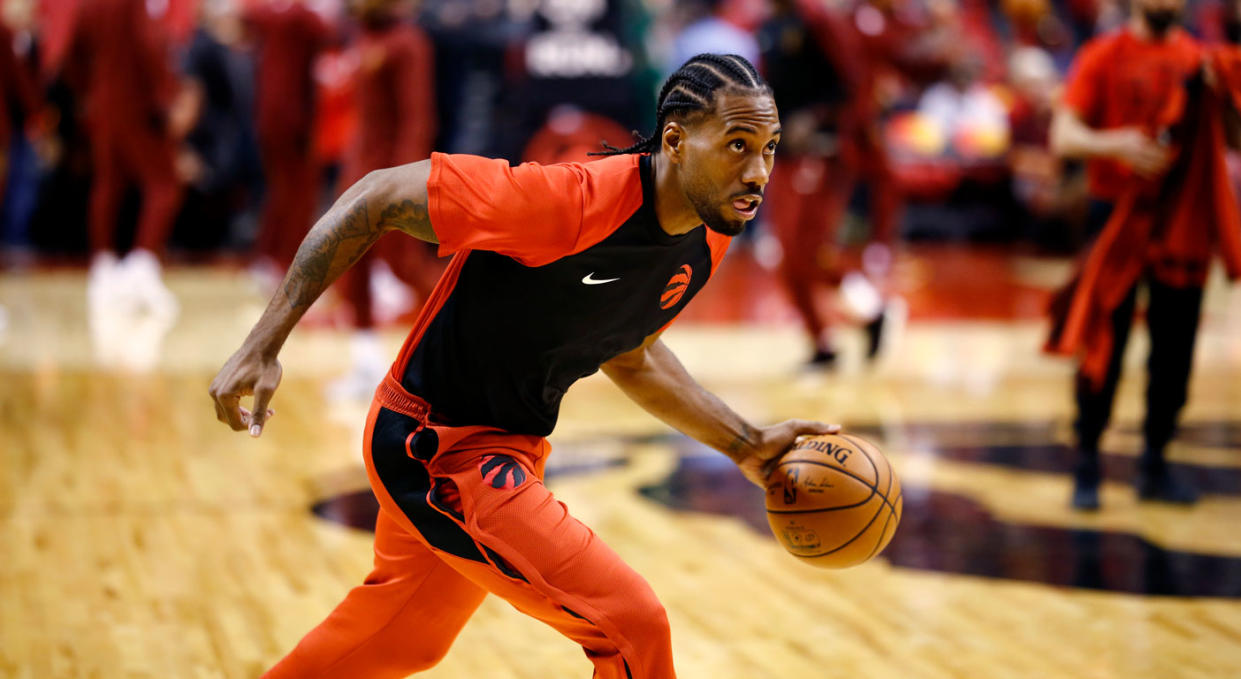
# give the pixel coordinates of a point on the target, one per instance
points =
(834, 501)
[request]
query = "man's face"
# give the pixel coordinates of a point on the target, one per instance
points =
(727, 158)
(1160, 15)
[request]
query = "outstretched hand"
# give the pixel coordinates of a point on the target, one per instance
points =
(773, 442)
(245, 374)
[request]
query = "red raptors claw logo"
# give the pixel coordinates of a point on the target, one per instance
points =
(677, 285)
(501, 471)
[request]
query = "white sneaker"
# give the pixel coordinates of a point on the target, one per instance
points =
(144, 288)
(102, 310)
(369, 367)
(266, 276)
(861, 297)
(392, 297)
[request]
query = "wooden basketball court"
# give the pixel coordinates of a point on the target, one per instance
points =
(141, 538)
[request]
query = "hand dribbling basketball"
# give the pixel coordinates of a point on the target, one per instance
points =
(833, 501)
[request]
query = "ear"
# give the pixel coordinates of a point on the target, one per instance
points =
(673, 141)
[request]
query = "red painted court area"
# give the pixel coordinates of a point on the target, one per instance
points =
(939, 283)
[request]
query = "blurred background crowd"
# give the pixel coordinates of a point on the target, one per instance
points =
(256, 103)
(138, 130)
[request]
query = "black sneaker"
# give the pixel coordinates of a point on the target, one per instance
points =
(874, 334)
(1086, 485)
(1161, 485)
(822, 359)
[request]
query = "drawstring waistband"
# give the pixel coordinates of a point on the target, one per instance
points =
(394, 397)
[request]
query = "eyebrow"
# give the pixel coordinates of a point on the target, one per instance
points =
(738, 127)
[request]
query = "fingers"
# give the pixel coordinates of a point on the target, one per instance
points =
(810, 427)
(227, 401)
(1149, 159)
(229, 405)
(247, 418)
(233, 383)
(262, 396)
(1152, 162)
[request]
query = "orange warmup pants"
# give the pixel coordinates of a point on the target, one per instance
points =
(464, 512)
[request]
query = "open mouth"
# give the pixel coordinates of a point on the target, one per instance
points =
(747, 206)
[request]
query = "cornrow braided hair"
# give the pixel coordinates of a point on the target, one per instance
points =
(692, 88)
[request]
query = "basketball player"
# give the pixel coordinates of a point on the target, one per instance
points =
(558, 271)
(1114, 115)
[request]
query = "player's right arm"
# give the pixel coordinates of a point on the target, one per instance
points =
(393, 199)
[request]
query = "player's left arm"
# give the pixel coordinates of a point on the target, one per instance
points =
(654, 378)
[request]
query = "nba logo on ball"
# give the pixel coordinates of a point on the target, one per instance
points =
(799, 539)
(834, 501)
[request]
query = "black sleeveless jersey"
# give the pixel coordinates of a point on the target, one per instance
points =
(557, 269)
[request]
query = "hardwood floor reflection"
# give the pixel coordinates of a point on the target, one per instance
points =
(140, 538)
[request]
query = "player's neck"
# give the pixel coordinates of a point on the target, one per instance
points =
(674, 212)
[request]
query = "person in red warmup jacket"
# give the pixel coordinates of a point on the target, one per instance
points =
(116, 59)
(288, 37)
(1145, 110)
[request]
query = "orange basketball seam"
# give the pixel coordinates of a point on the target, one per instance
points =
(873, 492)
(861, 446)
(892, 508)
(870, 523)
(849, 541)
(891, 515)
(873, 486)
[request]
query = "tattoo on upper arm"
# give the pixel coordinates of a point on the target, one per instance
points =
(410, 217)
(330, 247)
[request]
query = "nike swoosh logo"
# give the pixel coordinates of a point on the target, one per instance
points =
(589, 279)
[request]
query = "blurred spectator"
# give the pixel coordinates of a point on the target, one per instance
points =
(475, 43)
(119, 66)
(288, 37)
(1050, 193)
(718, 26)
(217, 158)
(901, 46)
(19, 105)
(570, 134)
(573, 56)
(1219, 21)
(396, 125)
(968, 111)
(823, 89)
(1034, 23)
